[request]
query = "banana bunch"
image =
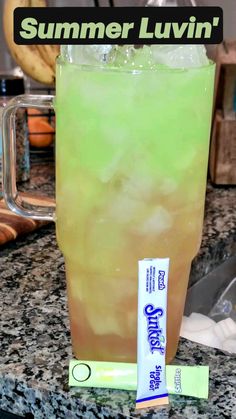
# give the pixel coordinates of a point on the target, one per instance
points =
(37, 61)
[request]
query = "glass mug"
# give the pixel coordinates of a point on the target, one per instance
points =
(131, 164)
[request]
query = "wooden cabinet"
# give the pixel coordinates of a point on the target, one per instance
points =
(223, 142)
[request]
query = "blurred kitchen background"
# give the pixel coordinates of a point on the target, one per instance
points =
(213, 274)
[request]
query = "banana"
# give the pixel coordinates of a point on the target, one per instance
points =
(26, 56)
(49, 54)
(37, 3)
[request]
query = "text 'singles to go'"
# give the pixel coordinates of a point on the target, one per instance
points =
(129, 25)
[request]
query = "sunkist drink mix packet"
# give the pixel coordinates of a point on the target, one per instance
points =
(152, 312)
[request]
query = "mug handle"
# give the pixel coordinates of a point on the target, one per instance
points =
(13, 199)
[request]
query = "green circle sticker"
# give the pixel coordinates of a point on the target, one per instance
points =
(81, 372)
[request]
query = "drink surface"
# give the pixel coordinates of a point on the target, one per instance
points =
(132, 151)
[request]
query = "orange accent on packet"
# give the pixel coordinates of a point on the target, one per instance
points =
(152, 403)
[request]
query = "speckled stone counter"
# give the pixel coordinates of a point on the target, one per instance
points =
(35, 345)
(219, 231)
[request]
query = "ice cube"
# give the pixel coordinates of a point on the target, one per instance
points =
(133, 57)
(124, 209)
(73, 53)
(89, 54)
(99, 54)
(157, 222)
(180, 56)
(125, 55)
(175, 56)
(139, 187)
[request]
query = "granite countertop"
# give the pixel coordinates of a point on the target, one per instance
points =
(35, 346)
